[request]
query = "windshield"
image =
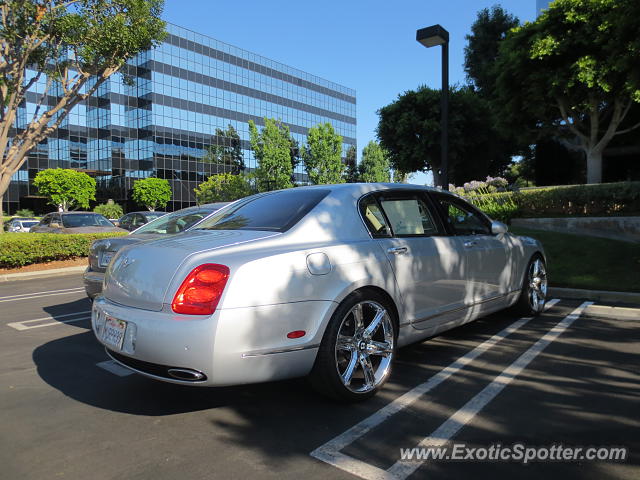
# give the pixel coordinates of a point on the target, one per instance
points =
(176, 222)
(274, 212)
(85, 220)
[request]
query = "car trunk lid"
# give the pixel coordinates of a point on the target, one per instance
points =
(140, 275)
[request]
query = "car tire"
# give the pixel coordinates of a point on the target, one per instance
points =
(357, 351)
(534, 288)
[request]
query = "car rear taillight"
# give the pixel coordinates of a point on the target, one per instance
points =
(200, 292)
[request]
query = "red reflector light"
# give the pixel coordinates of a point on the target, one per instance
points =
(296, 334)
(200, 292)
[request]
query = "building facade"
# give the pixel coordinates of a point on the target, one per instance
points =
(181, 100)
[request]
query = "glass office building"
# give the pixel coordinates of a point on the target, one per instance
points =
(184, 94)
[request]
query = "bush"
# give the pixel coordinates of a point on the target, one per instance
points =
(25, 212)
(605, 199)
(501, 206)
(19, 249)
(223, 187)
(109, 209)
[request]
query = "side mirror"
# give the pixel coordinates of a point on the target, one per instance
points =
(498, 228)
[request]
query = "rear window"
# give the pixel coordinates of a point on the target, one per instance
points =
(175, 222)
(273, 212)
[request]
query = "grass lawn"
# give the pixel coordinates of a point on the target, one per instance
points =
(579, 261)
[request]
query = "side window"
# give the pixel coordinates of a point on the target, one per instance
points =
(374, 218)
(409, 216)
(463, 219)
(46, 220)
(138, 220)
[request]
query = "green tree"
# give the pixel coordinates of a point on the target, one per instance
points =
(272, 148)
(224, 187)
(151, 192)
(351, 170)
(409, 131)
(487, 32)
(575, 71)
(109, 209)
(322, 156)
(77, 45)
(374, 166)
(66, 188)
(226, 150)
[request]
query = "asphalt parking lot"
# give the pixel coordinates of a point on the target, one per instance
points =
(569, 377)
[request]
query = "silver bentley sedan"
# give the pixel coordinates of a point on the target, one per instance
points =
(324, 281)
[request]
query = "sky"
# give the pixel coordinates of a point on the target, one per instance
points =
(369, 46)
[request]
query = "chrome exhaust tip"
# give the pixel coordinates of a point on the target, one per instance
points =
(186, 374)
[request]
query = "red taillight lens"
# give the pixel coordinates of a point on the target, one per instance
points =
(200, 292)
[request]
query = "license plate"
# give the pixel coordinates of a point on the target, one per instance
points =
(114, 332)
(105, 258)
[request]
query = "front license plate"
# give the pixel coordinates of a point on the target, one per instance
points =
(114, 332)
(105, 258)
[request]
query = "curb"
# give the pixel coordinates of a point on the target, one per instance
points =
(597, 295)
(54, 272)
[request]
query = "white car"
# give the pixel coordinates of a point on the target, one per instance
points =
(326, 281)
(21, 224)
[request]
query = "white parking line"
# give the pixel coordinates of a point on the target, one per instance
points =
(50, 293)
(29, 324)
(402, 469)
(115, 368)
(331, 453)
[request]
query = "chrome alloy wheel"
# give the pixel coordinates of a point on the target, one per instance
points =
(365, 346)
(537, 279)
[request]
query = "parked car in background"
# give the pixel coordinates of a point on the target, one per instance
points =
(133, 220)
(102, 251)
(20, 224)
(75, 222)
(325, 281)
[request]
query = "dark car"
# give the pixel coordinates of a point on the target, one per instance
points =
(133, 220)
(102, 251)
(74, 222)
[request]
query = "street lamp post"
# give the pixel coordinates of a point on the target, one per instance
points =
(431, 37)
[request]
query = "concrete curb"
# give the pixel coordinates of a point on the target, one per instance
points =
(594, 295)
(54, 272)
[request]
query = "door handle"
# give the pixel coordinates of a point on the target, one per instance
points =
(397, 250)
(470, 243)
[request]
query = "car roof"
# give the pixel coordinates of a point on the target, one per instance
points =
(74, 213)
(146, 212)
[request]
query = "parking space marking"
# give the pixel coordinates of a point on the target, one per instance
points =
(331, 453)
(402, 469)
(50, 293)
(115, 368)
(29, 324)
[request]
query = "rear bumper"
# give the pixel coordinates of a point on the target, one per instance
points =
(92, 282)
(232, 347)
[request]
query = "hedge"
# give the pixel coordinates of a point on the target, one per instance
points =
(605, 199)
(19, 249)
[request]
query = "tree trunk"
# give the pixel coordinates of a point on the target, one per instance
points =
(437, 178)
(5, 179)
(594, 166)
(1, 216)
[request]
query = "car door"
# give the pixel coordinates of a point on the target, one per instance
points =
(427, 268)
(487, 272)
